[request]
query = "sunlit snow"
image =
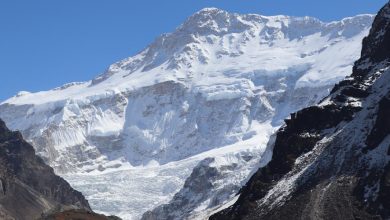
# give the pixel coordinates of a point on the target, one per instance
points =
(218, 86)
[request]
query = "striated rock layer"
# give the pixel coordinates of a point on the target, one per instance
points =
(331, 160)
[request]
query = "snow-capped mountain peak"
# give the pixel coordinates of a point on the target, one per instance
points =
(214, 21)
(215, 87)
(212, 36)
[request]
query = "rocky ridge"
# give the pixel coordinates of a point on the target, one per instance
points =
(28, 187)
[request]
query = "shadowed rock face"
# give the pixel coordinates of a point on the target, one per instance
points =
(331, 161)
(28, 187)
(78, 215)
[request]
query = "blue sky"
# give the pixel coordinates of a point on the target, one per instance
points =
(46, 43)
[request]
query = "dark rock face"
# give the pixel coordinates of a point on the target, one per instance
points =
(203, 185)
(201, 180)
(382, 125)
(376, 46)
(28, 187)
(78, 214)
(331, 161)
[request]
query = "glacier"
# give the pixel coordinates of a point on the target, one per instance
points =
(207, 96)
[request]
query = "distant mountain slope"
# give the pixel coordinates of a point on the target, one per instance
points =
(332, 160)
(208, 95)
(28, 187)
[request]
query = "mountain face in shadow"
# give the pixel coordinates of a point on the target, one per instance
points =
(331, 160)
(28, 187)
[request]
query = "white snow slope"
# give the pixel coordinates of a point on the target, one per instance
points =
(218, 86)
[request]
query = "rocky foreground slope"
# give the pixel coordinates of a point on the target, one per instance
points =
(28, 187)
(202, 100)
(332, 160)
(30, 190)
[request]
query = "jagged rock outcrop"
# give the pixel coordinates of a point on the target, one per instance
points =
(331, 161)
(29, 187)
